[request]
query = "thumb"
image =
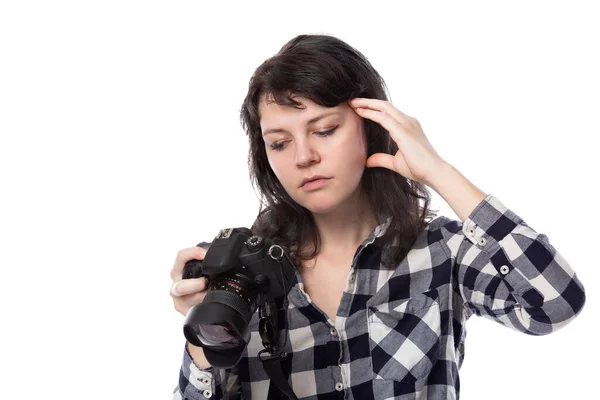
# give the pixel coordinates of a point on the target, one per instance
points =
(381, 160)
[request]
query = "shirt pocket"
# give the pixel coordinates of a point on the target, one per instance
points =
(404, 337)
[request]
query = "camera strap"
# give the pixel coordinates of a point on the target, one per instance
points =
(273, 353)
(274, 369)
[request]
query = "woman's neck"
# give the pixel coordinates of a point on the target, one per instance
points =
(344, 229)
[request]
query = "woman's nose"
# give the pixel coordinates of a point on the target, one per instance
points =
(306, 154)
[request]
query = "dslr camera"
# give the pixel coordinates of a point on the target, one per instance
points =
(245, 273)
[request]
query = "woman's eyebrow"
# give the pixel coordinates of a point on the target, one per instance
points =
(309, 122)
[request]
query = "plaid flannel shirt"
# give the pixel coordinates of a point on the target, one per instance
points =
(399, 333)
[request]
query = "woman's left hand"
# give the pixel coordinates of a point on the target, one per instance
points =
(416, 158)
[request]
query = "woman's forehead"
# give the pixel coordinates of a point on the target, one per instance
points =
(271, 113)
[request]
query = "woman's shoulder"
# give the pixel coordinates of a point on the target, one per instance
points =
(438, 230)
(440, 222)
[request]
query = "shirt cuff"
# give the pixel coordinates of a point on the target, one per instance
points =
(486, 227)
(202, 379)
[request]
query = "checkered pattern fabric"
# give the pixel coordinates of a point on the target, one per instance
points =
(399, 333)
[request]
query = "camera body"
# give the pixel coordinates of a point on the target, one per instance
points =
(245, 272)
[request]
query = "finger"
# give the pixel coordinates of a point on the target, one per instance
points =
(185, 287)
(383, 119)
(381, 160)
(184, 304)
(380, 105)
(184, 256)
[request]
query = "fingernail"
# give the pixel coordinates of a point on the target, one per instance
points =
(174, 291)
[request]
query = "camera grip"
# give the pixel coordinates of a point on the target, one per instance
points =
(193, 268)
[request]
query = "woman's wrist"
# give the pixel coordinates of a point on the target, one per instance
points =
(198, 356)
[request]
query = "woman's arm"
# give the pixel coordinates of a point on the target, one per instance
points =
(198, 380)
(508, 272)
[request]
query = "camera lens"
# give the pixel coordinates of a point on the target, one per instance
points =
(217, 335)
(221, 321)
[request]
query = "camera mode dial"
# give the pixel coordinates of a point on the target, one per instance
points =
(255, 243)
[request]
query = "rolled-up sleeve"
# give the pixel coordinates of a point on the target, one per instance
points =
(506, 271)
(201, 384)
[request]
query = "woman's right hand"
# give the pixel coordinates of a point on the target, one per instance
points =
(186, 293)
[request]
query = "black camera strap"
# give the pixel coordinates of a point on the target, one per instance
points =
(274, 369)
(273, 353)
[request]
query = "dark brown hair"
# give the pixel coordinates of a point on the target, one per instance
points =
(328, 71)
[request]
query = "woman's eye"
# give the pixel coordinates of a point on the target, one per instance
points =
(326, 133)
(278, 146)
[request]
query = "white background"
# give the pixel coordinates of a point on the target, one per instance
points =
(121, 144)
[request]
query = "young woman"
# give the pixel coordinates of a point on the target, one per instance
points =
(383, 287)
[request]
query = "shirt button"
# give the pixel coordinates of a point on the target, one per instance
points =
(333, 332)
(504, 270)
(472, 231)
(339, 386)
(352, 278)
(205, 380)
(207, 393)
(482, 241)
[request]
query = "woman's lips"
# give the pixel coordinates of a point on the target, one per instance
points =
(316, 184)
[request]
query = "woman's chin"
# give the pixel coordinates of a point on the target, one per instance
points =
(320, 207)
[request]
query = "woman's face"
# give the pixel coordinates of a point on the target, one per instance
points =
(316, 140)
